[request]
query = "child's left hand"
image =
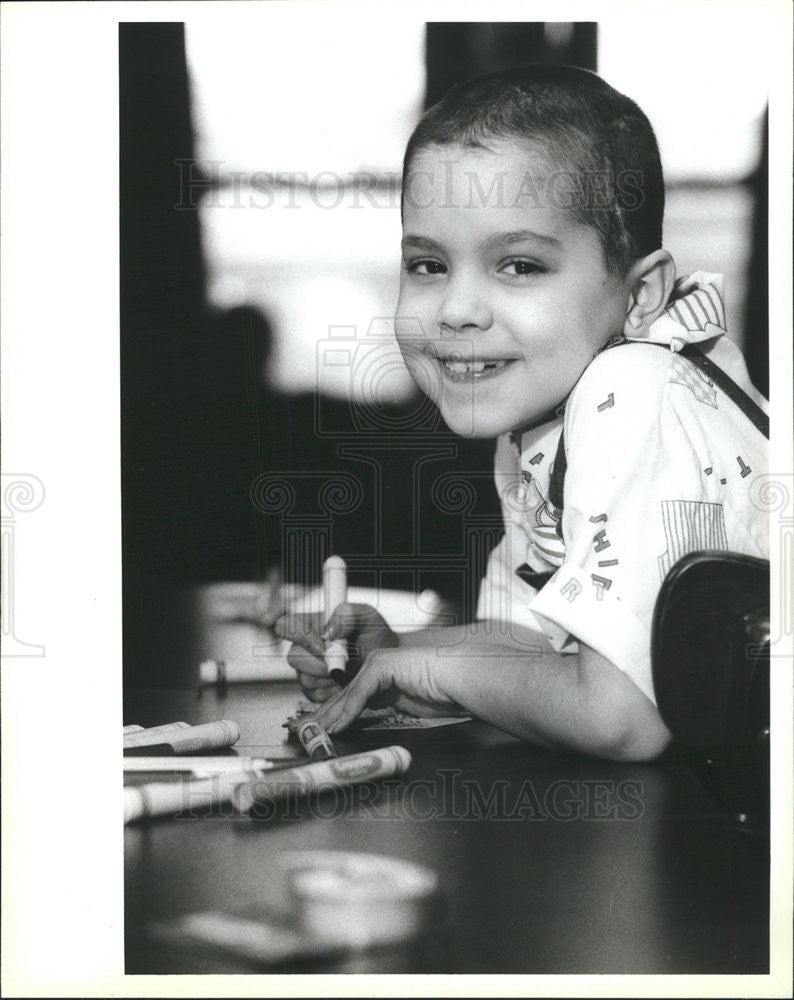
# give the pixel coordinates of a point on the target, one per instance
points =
(403, 678)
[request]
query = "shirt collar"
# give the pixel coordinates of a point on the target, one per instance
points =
(694, 313)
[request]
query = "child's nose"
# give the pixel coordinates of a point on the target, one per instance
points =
(465, 304)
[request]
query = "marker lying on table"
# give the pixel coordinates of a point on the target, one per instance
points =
(335, 773)
(184, 740)
(335, 593)
(140, 737)
(163, 798)
(199, 766)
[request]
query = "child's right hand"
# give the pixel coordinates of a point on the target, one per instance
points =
(360, 624)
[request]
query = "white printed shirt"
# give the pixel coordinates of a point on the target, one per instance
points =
(660, 463)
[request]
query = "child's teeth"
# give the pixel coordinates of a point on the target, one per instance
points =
(461, 367)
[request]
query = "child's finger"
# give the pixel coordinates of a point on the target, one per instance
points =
(339, 712)
(348, 618)
(317, 689)
(305, 662)
(328, 705)
(300, 629)
(272, 613)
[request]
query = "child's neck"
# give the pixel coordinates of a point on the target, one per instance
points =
(547, 418)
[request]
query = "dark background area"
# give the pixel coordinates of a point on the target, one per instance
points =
(199, 428)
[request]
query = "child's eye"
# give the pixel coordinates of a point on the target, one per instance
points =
(521, 268)
(425, 266)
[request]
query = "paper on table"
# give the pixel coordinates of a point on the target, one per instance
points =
(383, 719)
(392, 720)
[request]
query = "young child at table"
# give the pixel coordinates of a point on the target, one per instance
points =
(538, 307)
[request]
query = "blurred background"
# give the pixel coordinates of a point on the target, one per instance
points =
(267, 419)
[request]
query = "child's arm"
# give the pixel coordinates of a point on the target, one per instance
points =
(519, 684)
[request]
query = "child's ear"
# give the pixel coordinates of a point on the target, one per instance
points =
(651, 282)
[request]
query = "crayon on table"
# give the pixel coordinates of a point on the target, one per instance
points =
(335, 593)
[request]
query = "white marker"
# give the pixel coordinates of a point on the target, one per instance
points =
(161, 798)
(335, 593)
(187, 739)
(148, 737)
(204, 766)
(337, 772)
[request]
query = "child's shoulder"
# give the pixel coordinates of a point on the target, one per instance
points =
(632, 372)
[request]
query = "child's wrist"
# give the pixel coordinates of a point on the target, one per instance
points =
(441, 676)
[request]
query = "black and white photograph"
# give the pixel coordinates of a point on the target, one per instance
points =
(449, 656)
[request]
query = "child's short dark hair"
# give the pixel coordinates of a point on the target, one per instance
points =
(593, 134)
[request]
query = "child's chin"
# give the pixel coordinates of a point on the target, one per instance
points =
(467, 425)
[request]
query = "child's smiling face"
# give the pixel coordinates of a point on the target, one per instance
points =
(504, 297)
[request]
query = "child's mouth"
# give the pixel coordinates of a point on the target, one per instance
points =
(469, 371)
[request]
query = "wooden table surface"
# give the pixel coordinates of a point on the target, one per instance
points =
(548, 862)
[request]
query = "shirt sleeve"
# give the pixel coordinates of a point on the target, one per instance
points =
(633, 481)
(504, 597)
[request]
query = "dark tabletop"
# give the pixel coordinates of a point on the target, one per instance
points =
(548, 862)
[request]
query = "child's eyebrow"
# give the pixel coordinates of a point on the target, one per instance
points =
(420, 242)
(522, 236)
(494, 240)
